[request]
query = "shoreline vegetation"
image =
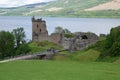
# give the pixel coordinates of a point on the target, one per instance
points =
(92, 17)
(73, 16)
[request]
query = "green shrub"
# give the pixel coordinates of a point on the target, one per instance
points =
(68, 35)
(115, 49)
(113, 43)
(23, 49)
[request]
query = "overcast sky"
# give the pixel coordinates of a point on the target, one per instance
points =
(14, 3)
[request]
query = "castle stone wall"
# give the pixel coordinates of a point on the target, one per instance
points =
(80, 40)
(40, 33)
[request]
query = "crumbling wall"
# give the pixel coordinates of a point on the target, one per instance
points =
(56, 38)
(80, 40)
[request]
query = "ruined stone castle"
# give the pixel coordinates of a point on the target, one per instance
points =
(40, 33)
(80, 40)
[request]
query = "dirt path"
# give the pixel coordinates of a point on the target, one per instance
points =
(17, 58)
(32, 56)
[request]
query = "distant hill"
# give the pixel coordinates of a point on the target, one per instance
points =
(36, 4)
(112, 5)
(68, 8)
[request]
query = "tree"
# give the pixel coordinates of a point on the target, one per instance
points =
(19, 36)
(21, 45)
(14, 43)
(58, 29)
(67, 31)
(6, 44)
(113, 42)
(23, 49)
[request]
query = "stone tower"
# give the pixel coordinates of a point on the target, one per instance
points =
(39, 31)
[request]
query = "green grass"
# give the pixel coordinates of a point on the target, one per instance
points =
(43, 46)
(117, 61)
(90, 55)
(58, 70)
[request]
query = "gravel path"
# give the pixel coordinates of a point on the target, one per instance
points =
(17, 58)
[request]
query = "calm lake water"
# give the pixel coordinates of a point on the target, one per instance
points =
(95, 25)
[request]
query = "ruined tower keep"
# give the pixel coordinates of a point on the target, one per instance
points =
(39, 31)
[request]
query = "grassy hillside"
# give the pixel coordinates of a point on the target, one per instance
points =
(117, 61)
(43, 46)
(89, 55)
(63, 8)
(55, 70)
(75, 4)
(80, 56)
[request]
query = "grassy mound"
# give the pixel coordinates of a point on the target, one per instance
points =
(90, 55)
(82, 56)
(42, 46)
(58, 70)
(117, 61)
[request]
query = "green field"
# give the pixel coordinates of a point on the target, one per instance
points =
(58, 70)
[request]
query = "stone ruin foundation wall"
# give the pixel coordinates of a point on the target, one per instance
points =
(80, 40)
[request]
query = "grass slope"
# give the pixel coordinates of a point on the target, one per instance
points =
(58, 70)
(63, 8)
(117, 61)
(43, 46)
(81, 56)
(87, 56)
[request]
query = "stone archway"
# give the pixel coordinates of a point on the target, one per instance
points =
(84, 37)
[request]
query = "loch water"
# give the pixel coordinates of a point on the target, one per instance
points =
(95, 25)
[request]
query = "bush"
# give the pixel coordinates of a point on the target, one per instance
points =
(111, 45)
(69, 35)
(112, 42)
(115, 49)
(23, 49)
